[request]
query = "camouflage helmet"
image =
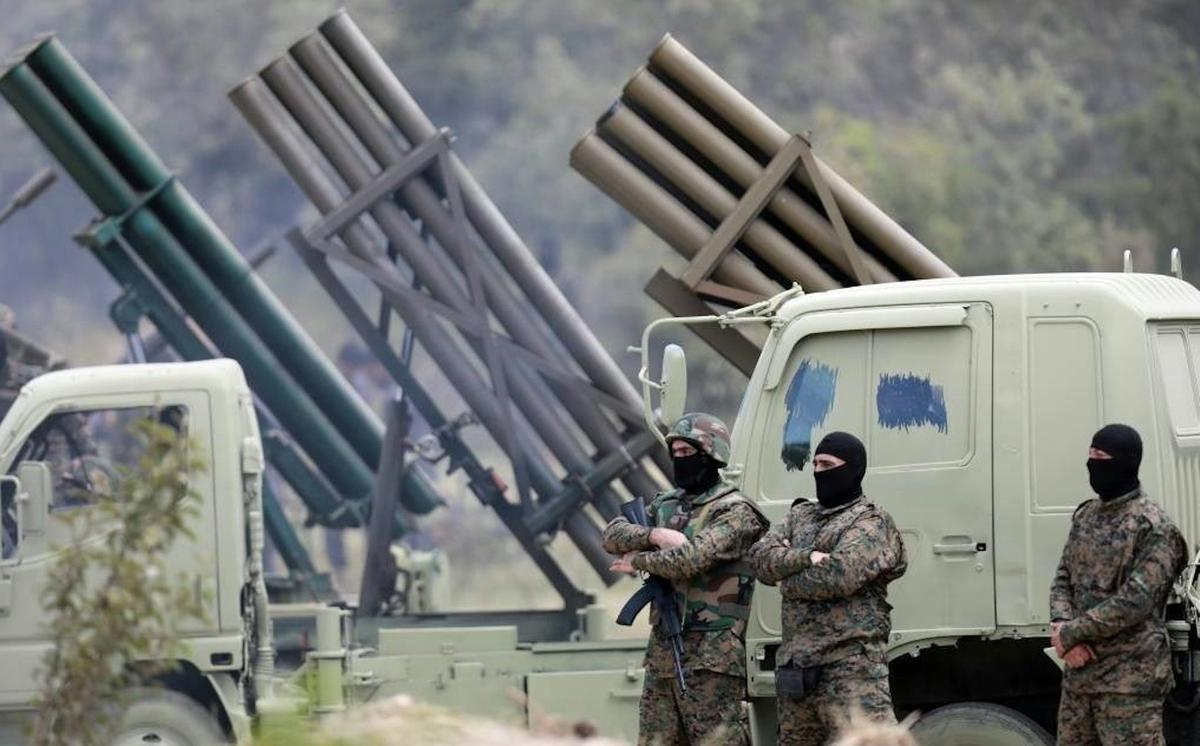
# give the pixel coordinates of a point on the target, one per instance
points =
(705, 432)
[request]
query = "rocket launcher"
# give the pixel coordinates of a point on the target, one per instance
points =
(748, 204)
(401, 210)
(150, 228)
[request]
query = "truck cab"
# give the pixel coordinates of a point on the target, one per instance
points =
(976, 399)
(69, 431)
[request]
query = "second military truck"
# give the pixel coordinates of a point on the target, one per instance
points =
(976, 399)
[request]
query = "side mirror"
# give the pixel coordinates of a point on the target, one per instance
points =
(673, 387)
(37, 486)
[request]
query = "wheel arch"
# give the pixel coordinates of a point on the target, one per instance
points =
(215, 693)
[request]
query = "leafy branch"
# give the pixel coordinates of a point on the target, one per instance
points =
(115, 609)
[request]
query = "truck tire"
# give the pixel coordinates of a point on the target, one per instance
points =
(166, 718)
(979, 724)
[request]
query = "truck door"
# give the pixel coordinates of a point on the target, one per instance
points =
(914, 383)
(88, 446)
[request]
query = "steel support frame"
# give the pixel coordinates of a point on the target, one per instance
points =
(379, 572)
(321, 238)
(446, 281)
(493, 229)
(680, 300)
(319, 243)
(688, 294)
(481, 479)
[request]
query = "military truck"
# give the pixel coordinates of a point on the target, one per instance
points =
(65, 423)
(975, 396)
(976, 399)
(55, 421)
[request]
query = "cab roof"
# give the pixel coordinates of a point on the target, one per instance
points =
(1150, 295)
(205, 374)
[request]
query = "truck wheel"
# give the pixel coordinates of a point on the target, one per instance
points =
(979, 724)
(166, 718)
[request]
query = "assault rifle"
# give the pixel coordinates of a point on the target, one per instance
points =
(657, 591)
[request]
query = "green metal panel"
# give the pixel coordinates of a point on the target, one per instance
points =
(446, 640)
(607, 699)
(142, 292)
(477, 670)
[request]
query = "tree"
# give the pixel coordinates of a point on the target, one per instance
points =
(112, 603)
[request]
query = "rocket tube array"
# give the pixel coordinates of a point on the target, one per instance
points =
(337, 117)
(680, 148)
(197, 264)
(400, 107)
(255, 102)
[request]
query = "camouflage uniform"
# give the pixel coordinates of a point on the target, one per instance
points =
(835, 614)
(1117, 568)
(713, 587)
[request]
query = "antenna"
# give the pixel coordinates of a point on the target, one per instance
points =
(1176, 263)
(1127, 261)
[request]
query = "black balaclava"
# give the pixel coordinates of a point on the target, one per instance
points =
(841, 484)
(1119, 475)
(695, 473)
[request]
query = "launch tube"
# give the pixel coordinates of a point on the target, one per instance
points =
(672, 59)
(662, 213)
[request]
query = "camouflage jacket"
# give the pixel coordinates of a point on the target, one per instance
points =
(1117, 568)
(708, 575)
(839, 607)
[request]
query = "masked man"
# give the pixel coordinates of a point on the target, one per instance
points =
(698, 535)
(1107, 603)
(833, 560)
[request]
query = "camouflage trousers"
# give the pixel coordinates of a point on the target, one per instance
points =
(860, 680)
(1109, 720)
(711, 711)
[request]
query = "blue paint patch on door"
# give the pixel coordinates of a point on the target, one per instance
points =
(809, 399)
(906, 400)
